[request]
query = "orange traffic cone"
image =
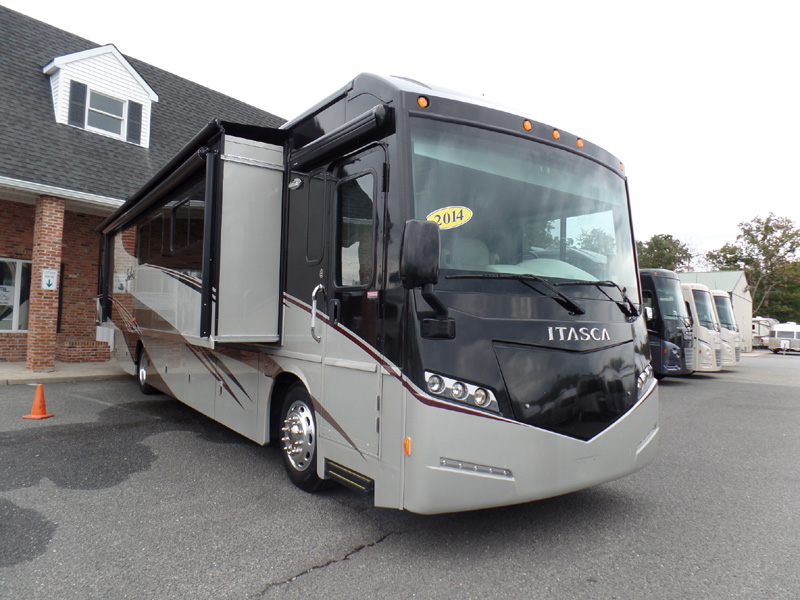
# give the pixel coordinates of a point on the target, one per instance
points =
(39, 410)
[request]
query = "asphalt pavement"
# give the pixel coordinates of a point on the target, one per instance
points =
(121, 495)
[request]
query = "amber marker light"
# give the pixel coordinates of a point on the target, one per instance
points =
(556, 134)
(579, 143)
(407, 446)
(527, 125)
(423, 102)
(621, 167)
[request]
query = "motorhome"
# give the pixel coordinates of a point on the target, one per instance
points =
(705, 327)
(730, 338)
(669, 329)
(784, 337)
(419, 295)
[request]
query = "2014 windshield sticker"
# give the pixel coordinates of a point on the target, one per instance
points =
(450, 217)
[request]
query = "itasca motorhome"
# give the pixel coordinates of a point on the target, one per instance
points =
(669, 330)
(413, 293)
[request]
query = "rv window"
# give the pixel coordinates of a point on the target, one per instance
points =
(354, 228)
(647, 297)
(188, 213)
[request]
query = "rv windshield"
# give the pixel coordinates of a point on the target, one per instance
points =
(509, 205)
(671, 304)
(725, 312)
(705, 309)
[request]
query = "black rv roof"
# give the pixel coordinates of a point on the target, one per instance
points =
(388, 89)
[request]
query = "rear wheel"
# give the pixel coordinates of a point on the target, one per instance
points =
(145, 367)
(299, 440)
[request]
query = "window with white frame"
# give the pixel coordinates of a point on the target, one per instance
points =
(90, 109)
(105, 113)
(15, 287)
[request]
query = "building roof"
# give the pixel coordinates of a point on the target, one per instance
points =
(727, 281)
(38, 153)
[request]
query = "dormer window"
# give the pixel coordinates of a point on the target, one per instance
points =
(105, 113)
(98, 90)
(91, 109)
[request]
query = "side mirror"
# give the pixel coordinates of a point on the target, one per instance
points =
(648, 313)
(419, 254)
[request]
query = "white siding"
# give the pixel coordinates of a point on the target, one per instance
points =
(105, 74)
(55, 84)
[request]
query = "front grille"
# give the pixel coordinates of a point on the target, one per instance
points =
(719, 357)
(738, 354)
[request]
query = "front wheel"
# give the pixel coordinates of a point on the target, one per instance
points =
(299, 440)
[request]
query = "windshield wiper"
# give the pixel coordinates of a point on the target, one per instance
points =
(627, 307)
(565, 301)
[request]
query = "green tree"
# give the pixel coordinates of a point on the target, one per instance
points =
(597, 240)
(765, 250)
(784, 301)
(662, 251)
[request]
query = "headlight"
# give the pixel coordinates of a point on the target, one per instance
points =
(644, 378)
(435, 384)
(461, 391)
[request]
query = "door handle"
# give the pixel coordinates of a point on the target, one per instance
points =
(317, 290)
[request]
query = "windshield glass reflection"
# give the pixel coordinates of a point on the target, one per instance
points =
(510, 205)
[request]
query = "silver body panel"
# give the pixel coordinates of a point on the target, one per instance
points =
(250, 242)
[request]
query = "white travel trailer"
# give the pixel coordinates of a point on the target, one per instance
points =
(761, 328)
(705, 327)
(412, 293)
(729, 331)
(784, 337)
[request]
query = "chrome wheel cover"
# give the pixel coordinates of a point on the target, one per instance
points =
(143, 370)
(299, 435)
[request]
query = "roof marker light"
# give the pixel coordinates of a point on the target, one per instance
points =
(423, 102)
(556, 134)
(527, 125)
(621, 167)
(579, 143)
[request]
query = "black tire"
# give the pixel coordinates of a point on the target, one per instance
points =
(298, 443)
(143, 367)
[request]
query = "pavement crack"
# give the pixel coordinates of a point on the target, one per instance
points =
(333, 561)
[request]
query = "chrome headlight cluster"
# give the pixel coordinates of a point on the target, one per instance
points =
(644, 379)
(460, 391)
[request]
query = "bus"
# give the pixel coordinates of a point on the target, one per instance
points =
(705, 327)
(729, 331)
(784, 337)
(669, 330)
(421, 296)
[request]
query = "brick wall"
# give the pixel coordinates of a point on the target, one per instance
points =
(47, 233)
(16, 233)
(76, 339)
(66, 237)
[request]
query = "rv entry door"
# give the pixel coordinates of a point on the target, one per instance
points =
(351, 365)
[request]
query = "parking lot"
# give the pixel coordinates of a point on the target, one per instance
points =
(126, 496)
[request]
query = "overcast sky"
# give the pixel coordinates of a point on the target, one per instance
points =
(699, 99)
